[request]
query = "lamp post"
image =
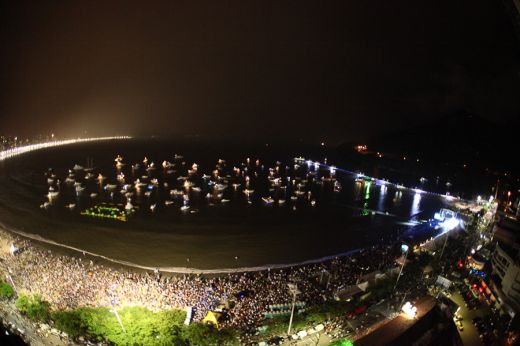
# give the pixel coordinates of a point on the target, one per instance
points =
(443, 246)
(113, 302)
(12, 282)
(404, 249)
(294, 290)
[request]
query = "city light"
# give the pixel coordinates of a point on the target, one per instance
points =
(9, 153)
(409, 310)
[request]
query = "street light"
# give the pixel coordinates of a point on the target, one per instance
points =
(12, 282)
(404, 249)
(113, 302)
(294, 290)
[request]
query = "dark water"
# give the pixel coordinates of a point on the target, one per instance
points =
(236, 233)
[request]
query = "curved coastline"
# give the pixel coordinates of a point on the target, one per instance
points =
(165, 269)
(176, 270)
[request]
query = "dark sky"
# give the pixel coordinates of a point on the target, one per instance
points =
(332, 70)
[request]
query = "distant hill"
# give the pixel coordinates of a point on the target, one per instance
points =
(458, 138)
(463, 148)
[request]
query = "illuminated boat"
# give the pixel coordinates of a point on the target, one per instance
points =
(268, 200)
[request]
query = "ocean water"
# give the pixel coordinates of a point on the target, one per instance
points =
(217, 232)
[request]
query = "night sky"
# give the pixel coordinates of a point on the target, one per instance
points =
(318, 70)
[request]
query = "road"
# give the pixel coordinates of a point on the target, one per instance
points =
(470, 334)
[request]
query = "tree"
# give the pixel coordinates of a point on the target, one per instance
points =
(34, 307)
(69, 322)
(342, 342)
(6, 291)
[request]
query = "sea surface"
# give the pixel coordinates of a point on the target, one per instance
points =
(221, 229)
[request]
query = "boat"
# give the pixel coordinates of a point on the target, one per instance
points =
(196, 189)
(225, 200)
(176, 193)
(168, 202)
(185, 208)
(152, 207)
(148, 193)
(93, 195)
(45, 205)
(129, 206)
(268, 200)
(52, 194)
(77, 167)
(220, 187)
(70, 206)
(110, 187)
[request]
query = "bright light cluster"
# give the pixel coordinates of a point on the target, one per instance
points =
(7, 154)
(409, 310)
(449, 224)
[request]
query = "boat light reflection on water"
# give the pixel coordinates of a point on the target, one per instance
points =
(383, 182)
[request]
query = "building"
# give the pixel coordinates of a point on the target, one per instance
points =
(505, 278)
(507, 230)
(430, 326)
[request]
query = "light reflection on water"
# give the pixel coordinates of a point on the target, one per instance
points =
(416, 204)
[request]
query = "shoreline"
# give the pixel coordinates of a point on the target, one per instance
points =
(173, 270)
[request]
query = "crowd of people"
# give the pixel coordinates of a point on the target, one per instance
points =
(70, 281)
